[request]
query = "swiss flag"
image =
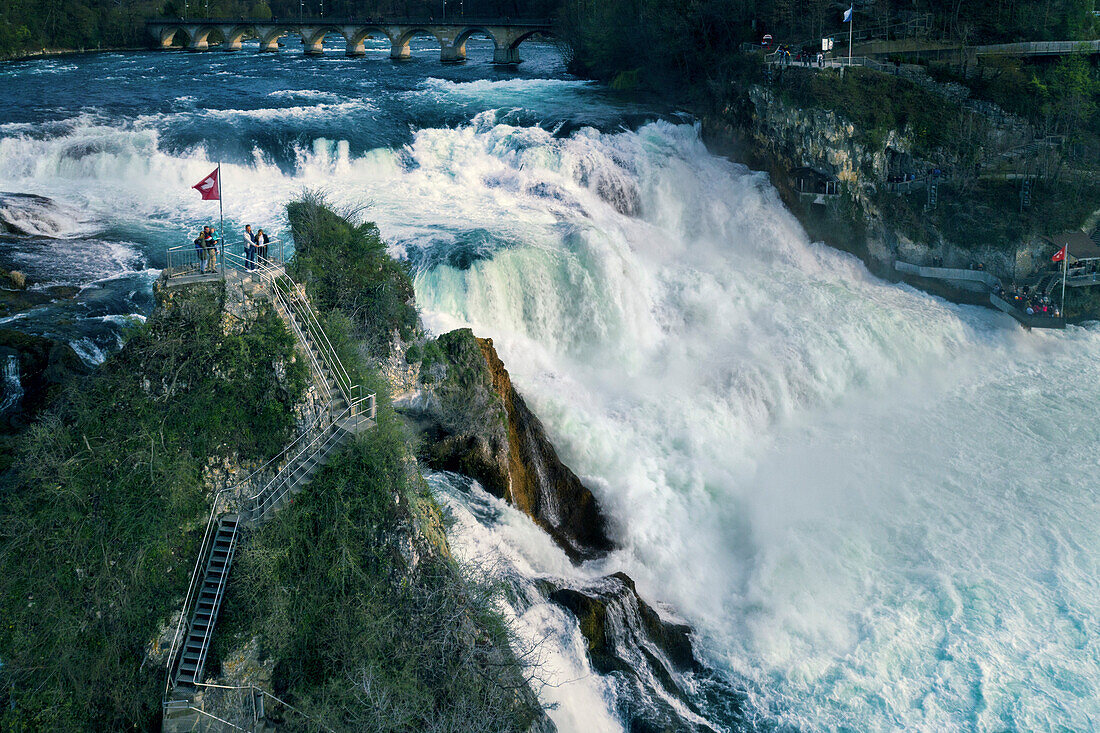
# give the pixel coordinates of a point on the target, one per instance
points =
(1060, 254)
(209, 187)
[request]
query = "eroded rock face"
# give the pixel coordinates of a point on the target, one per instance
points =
(649, 660)
(612, 615)
(476, 424)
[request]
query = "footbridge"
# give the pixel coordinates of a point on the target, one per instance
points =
(202, 34)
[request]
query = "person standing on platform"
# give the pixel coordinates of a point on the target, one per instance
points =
(261, 245)
(249, 248)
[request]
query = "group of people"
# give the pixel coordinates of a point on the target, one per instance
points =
(255, 247)
(1031, 302)
(803, 57)
(206, 247)
(207, 244)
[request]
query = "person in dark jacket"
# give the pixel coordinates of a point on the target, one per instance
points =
(261, 245)
(200, 252)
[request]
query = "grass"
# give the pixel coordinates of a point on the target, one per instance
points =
(101, 517)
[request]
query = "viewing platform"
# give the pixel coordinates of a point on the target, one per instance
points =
(345, 410)
(1017, 305)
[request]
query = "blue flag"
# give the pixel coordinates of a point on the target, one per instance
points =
(848, 15)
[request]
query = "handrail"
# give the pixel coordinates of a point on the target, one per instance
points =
(200, 711)
(209, 535)
(218, 595)
(252, 500)
(294, 301)
(265, 693)
(189, 598)
(314, 440)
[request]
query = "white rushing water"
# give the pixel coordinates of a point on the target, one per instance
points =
(875, 508)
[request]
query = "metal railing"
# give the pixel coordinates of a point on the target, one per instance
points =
(316, 450)
(274, 251)
(308, 329)
(949, 273)
(200, 663)
(255, 707)
(222, 504)
(187, 260)
(312, 445)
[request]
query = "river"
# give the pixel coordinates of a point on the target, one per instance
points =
(876, 509)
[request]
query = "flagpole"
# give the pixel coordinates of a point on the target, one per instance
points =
(851, 24)
(1065, 267)
(221, 217)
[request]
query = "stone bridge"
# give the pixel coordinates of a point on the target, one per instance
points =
(227, 34)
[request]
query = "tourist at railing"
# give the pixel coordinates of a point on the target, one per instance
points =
(1034, 304)
(249, 248)
(210, 246)
(262, 241)
(200, 250)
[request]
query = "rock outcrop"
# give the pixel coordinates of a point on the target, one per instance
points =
(635, 649)
(774, 133)
(474, 422)
(32, 369)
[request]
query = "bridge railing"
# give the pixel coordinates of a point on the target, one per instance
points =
(295, 22)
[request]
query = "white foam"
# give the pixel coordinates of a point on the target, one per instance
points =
(87, 350)
(488, 533)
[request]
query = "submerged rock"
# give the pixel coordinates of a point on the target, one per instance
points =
(475, 423)
(28, 214)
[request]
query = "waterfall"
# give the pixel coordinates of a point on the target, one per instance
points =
(13, 388)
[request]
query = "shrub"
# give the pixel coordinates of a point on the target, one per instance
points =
(101, 517)
(345, 267)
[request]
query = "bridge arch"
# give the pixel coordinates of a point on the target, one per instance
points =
(399, 45)
(269, 37)
(357, 35)
(235, 35)
(313, 37)
(530, 34)
(457, 51)
(204, 35)
(507, 51)
(169, 34)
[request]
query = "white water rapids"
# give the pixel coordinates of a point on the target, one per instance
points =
(876, 509)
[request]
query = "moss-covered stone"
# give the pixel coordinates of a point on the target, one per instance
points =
(480, 426)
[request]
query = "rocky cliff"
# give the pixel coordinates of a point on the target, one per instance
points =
(781, 127)
(474, 422)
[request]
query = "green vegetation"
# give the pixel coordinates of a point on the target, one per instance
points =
(103, 510)
(345, 267)
(362, 636)
(350, 590)
(859, 96)
(672, 44)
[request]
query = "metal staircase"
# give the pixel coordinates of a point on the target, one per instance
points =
(258, 497)
(208, 602)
